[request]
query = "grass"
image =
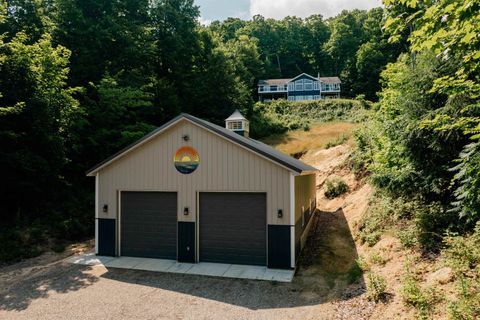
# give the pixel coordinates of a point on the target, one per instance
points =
(341, 139)
(319, 136)
(376, 286)
(335, 188)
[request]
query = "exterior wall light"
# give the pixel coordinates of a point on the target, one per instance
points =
(185, 137)
(185, 211)
(105, 208)
(280, 213)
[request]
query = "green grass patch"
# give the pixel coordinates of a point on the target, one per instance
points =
(335, 187)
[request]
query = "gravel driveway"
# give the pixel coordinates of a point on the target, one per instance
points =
(59, 290)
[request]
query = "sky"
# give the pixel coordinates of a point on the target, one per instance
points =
(221, 9)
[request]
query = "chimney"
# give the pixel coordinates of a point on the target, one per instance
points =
(238, 124)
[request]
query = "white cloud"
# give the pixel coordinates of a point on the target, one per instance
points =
(279, 9)
(204, 22)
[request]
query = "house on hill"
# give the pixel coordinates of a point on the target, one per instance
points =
(302, 87)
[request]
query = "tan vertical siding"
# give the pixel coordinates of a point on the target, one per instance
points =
(305, 192)
(224, 166)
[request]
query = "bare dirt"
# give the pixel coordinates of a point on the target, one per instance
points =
(46, 287)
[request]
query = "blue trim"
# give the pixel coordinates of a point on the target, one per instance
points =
(186, 241)
(106, 237)
(279, 246)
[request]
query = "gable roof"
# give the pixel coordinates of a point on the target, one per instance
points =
(258, 147)
(301, 75)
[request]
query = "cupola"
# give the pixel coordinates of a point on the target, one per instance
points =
(238, 124)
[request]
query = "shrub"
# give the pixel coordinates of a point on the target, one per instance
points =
(376, 286)
(378, 217)
(378, 259)
(421, 299)
(278, 116)
(462, 254)
(335, 187)
(359, 266)
(337, 141)
(408, 236)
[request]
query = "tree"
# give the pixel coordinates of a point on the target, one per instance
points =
(105, 37)
(36, 113)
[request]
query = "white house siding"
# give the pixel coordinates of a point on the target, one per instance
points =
(224, 166)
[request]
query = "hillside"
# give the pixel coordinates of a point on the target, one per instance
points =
(339, 265)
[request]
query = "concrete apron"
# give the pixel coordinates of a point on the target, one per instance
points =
(172, 266)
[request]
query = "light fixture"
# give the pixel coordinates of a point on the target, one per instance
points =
(105, 208)
(185, 137)
(280, 213)
(185, 211)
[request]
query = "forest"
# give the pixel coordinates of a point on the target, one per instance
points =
(80, 79)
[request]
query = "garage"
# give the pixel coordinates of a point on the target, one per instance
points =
(148, 224)
(196, 192)
(233, 227)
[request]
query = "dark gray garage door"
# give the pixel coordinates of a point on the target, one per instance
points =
(232, 227)
(149, 224)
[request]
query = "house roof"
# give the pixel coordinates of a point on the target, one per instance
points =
(303, 74)
(258, 147)
(330, 79)
(273, 82)
(270, 82)
(236, 115)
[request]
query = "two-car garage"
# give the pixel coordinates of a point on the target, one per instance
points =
(232, 226)
(194, 192)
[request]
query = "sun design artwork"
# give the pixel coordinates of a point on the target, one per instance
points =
(186, 160)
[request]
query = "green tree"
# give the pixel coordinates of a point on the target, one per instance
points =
(36, 114)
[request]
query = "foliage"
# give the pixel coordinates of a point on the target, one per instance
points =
(379, 216)
(351, 45)
(337, 141)
(335, 187)
(281, 115)
(467, 177)
(462, 254)
(378, 258)
(36, 113)
(376, 286)
(81, 79)
(355, 273)
(422, 299)
(444, 32)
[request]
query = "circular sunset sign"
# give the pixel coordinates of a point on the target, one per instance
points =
(186, 160)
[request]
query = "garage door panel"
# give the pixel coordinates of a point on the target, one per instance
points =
(149, 224)
(233, 227)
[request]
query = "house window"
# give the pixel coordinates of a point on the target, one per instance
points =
(235, 125)
(291, 86)
(291, 98)
(273, 88)
(316, 85)
(299, 85)
(308, 85)
(309, 98)
(316, 97)
(261, 88)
